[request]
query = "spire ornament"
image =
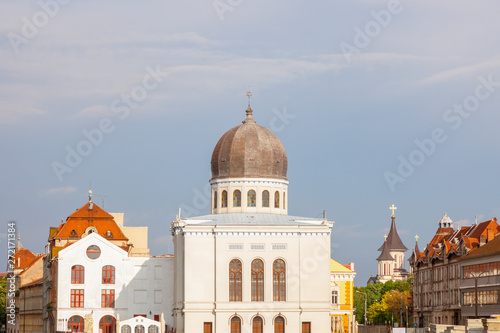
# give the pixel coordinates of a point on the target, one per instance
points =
(249, 119)
(393, 208)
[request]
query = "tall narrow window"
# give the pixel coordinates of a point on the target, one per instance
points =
(207, 327)
(77, 274)
(108, 274)
(257, 325)
(257, 280)
(265, 199)
(215, 199)
(279, 325)
(237, 198)
(251, 198)
(306, 327)
(235, 325)
(276, 199)
(335, 297)
(284, 200)
(107, 324)
(77, 298)
(279, 280)
(224, 199)
(235, 281)
(108, 298)
(76, 324)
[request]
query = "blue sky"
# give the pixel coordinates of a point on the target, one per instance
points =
(377, 102)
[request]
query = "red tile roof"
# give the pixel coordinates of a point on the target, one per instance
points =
(89, 215)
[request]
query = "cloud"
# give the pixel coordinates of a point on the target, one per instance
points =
(58, 190)
(462, 72)
(94, 111)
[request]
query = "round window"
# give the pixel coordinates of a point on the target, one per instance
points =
(93, 252)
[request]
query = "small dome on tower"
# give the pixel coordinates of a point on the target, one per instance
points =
(249, 151)
(445, 221)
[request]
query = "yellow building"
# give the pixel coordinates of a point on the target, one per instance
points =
(342, 283)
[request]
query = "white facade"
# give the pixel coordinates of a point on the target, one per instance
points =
(204, 248)
(142, 285)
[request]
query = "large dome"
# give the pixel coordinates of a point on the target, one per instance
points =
(249, 151)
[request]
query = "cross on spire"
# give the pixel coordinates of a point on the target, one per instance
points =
(393, 208)
(385, 237)
(249, 94)
(416, 238)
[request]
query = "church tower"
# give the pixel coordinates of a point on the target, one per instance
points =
(391, 262)
(248, 266)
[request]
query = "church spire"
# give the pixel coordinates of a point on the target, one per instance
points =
(393, 241)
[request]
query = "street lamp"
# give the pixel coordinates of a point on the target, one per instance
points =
(476, 277)
(366, 298)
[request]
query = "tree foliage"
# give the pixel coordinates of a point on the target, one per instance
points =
(383, 302)
(3, 288)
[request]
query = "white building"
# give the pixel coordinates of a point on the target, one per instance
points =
(98, 272)
(97, 281)
(249, 267)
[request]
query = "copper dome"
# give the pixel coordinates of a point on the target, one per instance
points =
(251, 151)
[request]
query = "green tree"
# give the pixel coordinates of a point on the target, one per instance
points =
(3, 288)
(383, 300)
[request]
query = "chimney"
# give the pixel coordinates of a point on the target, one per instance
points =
(490, 234)
(352, 266)
(482, 240)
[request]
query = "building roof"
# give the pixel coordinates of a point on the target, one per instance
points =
(393, 241)
(264, 219)
(89, 215)
(336, 267)
(249, 150)
(385, 255)
(22, 258)
(492, 247)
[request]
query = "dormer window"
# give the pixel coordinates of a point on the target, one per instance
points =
(109, 234)
(73, 234)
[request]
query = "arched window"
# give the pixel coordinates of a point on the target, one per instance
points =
(107, 324)
(284, 200)
(78, 274)
(76, 324)
(276, 199)
(235, 325)
(257, 280)
(235, 280)
(153, 329)
(224, 199)
(265, 199)
(215, 199)
(108, 274)
(251, 198)
(279, 280)
(279, 325)
(237, 198)
(73, 234)
(126, 329)
(257, 325)
(139, 329)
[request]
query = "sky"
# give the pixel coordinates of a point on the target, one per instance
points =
(376, 102)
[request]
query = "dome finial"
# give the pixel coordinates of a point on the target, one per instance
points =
(249, 119)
